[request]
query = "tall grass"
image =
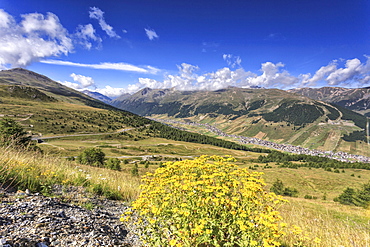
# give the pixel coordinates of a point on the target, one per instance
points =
(37, 172)
(334, 224)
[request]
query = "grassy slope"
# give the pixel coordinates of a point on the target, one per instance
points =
(235, 111)
(317, 135)
(325, 219)
(334, 224)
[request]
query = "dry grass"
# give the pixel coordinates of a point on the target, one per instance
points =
(38, 172)
(335, 224)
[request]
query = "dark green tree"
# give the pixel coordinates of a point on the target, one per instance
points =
(364, 195)
(113, 163)
(92, 156)
(278, 187)
(348, 197)
(13, 135)
(135, 170)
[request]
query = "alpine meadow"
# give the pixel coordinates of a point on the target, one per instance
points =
(184, 123)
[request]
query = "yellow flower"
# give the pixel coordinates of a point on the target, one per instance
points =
(191, 196)
(316, 240)
(254, 243)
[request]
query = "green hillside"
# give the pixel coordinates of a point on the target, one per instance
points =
(46, 108)
(143, 145)
(355, 99)
(268, 114)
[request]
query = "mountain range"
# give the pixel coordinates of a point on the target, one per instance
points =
(327, 122)
(270, 114)
(356, 99)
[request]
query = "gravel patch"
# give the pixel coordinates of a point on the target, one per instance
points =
(70, 218)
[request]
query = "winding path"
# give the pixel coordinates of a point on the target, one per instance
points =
(90, 134)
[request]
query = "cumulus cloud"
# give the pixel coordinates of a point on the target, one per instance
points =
(111, 92)
(98, 14)
(37, 36)
(232, 61)
(81, 82)
(320, 74)
(354, 73)
(273, 75)
(187, 78)
(86, 34)
(353, 68)
(85, 81)
(73, 85)
(151, 34)
(107, 66)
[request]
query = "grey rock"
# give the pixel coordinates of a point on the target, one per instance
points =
(35, 220)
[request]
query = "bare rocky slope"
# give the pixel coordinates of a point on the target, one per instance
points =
(356, 99)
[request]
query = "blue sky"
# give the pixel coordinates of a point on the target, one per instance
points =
(116, 47)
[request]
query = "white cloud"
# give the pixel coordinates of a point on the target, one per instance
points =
(232, 61)
(187, 79)
(320, 74)
(275, 37)
(353, 68)
(151, 34)
(96, 13)
(111, 92)
(75, 86)
(108, 66)
(354, 73)
(85, 34)
(85, 81)
(210, 46)
(81, 82)
(272, 76)
(37, 36)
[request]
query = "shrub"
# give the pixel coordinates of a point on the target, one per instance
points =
(92, 157)
(310, 197)
(206, 202)
(359, 198)
(13, 135)
(135, 170)
(113, 164)
(279, 189)
(292, 192)
(348, 197)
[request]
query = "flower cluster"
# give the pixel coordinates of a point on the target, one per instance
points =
(208, 201)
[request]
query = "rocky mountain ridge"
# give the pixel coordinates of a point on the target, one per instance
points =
(356, 99)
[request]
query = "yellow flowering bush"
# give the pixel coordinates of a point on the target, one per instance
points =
(208, 201)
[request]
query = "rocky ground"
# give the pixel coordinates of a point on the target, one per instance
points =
(70, 218)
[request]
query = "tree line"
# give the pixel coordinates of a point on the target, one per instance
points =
(309, 161)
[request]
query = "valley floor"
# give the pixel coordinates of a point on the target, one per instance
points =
(341, 156)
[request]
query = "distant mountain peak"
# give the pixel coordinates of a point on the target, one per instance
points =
(29, 73)
(146, 90)
(97, 96)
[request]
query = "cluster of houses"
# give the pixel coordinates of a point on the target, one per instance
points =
(341, 156)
